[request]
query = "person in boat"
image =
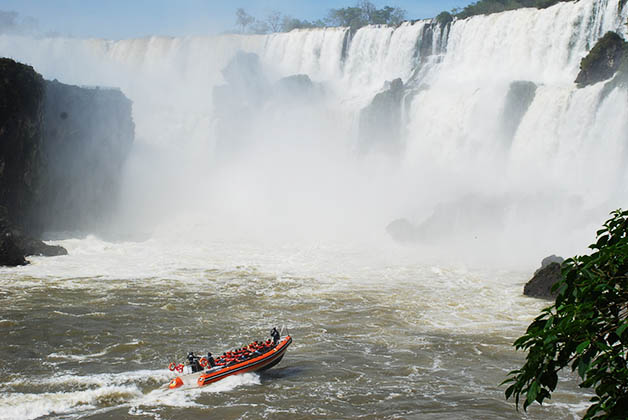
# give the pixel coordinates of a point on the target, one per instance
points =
(210, 360)
(194, 362)
(275, 335)
(266, 345)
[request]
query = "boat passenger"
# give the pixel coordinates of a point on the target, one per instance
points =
(210, 360)
(275, 335)
(194, 362)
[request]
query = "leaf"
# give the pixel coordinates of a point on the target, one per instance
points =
(509, 391)
(550, 379)
(533, 391)
(582, 346)
(585, 328)
(603, 240)
(583, 366)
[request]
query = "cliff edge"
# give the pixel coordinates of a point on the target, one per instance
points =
(62, 149)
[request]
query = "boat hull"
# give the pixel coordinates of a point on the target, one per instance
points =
(262, 362)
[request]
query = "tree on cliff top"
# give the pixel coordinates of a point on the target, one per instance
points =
(243, 19)
(485, 7)
(586, 328)
(365, 13)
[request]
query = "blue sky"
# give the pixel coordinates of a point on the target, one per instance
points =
(115, 19)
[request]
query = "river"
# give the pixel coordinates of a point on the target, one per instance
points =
(376, 335)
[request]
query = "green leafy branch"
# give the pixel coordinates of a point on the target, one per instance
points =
(586, 328)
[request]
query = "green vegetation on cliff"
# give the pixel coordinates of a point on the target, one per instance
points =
(363, 13)
(444, 18)
(485, 7)
(586, 328)
(366, 13)
(607, 57)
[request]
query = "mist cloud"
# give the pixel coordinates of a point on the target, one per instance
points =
(13, 23)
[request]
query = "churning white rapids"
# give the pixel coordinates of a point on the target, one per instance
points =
(375, 334)
(262, 199)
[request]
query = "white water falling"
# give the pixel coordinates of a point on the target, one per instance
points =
(317, 53)
(381, 53)
(298, 170)
(569, 143)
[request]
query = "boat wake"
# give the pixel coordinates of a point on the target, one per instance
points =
(106, 392)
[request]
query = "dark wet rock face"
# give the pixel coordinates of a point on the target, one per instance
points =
(519, 98)
(551, 259)
(88, 133)
(380, 121)
(402, 230)
(603, 61)
(248, 95)
(21, 105)
(297, 84)
(10, 254)
(32, 246)
(545, 278)
(239, 99)
(15, 245)
(62, 149)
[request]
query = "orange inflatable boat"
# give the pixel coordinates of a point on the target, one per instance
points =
(262, 356)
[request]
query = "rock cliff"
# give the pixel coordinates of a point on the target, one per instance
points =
(603, 61)
(62, 149)
(88, 132)
(545, 278)
(21, 111)
(380, 121)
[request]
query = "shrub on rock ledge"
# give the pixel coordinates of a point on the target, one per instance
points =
(586, 328)
(603, 61)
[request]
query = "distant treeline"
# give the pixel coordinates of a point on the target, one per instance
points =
(362, 14)
(486, 7)
(366, 13)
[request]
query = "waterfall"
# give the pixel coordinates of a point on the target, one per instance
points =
(566, 141)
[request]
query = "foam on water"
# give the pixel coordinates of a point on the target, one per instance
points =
(106, 390)
(31, 406)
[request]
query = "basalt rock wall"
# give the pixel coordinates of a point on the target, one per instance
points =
(87, 132)
(21, 112)
(62, 149)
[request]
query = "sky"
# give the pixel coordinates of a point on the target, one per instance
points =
(118, 19)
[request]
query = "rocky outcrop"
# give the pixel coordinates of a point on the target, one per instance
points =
(485, 218)
(295, 86)
(239, 99)
(603, 61)
(380, 121)
(245, 87)
(61, 153)
(402, 230)
(21, 111)
(545, 278)
(15, 245)
(519, 98)
(434, 37)
(248, 95)
(88, 133)
(461, 219)
(549, 260)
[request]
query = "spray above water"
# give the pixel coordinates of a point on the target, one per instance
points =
(273, 136)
